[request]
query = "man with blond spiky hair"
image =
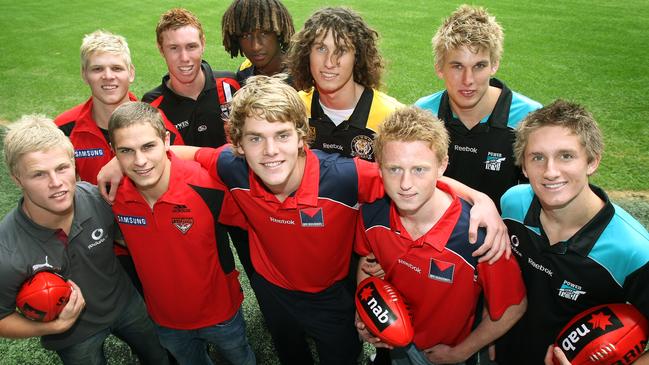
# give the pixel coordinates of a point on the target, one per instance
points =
(64, 226)
(479, 111)
(260, 30)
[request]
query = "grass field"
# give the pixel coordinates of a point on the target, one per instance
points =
(590, 52)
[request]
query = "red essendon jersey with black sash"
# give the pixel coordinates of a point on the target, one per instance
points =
(436, 274)
(200, 121)
(304, 243)
(185, 263)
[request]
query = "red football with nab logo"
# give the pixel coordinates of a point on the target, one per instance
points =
(384, 312)
(609, 334)
(43, 296)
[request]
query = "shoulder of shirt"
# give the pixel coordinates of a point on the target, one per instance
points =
(69, 116)
(520, 107)
(245, 64)
(430, 102)
(153, 94)
(90, 193)
(516, 201)
(307, 96)
(387, 101)
(627, 229)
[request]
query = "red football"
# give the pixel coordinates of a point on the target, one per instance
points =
(609, 334)
(43, 296)
(384, 313)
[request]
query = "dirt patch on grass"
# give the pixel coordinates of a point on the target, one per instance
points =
(629, 195)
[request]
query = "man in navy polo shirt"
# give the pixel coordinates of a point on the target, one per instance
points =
(576, 249)
(66, 227)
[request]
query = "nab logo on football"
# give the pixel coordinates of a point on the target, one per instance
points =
(373, 304)
(587, 329)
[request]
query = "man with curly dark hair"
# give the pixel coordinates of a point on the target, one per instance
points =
(260, 30)
(335, 62)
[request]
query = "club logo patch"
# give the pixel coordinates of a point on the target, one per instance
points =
(493, 161)
(362, 147)
(183, 224)
(312, 217)
(570, 291)
(441, 270)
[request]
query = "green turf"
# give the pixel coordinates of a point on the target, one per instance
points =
(592, 52)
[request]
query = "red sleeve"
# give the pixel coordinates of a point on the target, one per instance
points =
(502, 285)
(231, 213)
(361, 243)
(370, 186)
(208, 158)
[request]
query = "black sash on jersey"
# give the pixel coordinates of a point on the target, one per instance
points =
(351, 137)
(471, 149)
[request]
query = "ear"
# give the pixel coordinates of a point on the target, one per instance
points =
(83, 75)
(442, 167)
(131, 74)
(438, 71)
(239, 149)
(167, 141)
(524, 171)
(593, 165)
(16, 181)
(494, 67)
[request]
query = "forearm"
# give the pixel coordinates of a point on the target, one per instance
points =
(360, 274)
(643, 360)
(489, 330)
(463, 191)
(16, 326)
(185, 152)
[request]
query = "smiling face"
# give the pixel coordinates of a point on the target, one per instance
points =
(262, 48)
(48, 181)
(272, 151)
(466, 76)
(332, 68)
(109, 78)
(182, 50)
(410, 171)
(142, 155)
(556, 163)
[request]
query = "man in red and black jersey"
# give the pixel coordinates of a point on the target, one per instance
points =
(195, 98)
(168, 210)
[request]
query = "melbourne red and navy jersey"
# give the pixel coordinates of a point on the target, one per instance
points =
(91, 148)
(606, 261)
(304, 243)
(482, 157)
(185, 263)
(200, 121)
(353, 137)
(436, 274)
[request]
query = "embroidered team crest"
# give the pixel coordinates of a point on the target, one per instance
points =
(493, 161)
(183, 224)
(312, 217)
(362, 147)
(441, 270)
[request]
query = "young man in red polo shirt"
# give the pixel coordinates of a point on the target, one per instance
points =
(107, 69)
(300, 207)
(418, 234)
(168, 211)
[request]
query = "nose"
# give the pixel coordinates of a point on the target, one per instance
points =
(107, 74)
(270, 148)
(550, 171)
(331, 60)
(467, 76)
(256, 42)
(184, 55)
(140, 159)
(55, 180)
(406, 181)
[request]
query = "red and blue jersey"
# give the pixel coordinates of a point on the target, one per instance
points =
(305, 242)
(436, 274)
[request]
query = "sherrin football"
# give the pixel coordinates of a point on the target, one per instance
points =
(43, 296)
(384, 312)
(609, 334)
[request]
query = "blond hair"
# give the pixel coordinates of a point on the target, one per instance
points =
(411, 124)
(269, 98)
(565, 114)
(472, 27)
(101, 41)
(31, 133)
